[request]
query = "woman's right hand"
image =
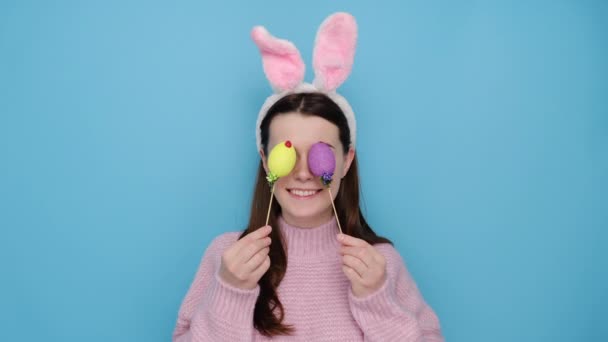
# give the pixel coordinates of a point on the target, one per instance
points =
(246, 261)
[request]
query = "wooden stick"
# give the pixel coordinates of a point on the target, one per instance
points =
(331, 198)
(270, 204)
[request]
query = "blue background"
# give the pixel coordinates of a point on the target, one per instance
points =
(127, 144)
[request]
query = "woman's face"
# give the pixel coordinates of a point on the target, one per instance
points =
(304, 200)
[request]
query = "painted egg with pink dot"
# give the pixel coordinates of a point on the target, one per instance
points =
(322, 161)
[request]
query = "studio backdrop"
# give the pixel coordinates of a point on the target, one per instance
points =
(127, 144)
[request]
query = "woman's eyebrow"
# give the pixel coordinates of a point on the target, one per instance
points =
(328, 144)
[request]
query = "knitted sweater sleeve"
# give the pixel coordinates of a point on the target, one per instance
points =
(396, 311)
(213, 310)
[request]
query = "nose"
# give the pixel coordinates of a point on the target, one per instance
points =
(300, 170)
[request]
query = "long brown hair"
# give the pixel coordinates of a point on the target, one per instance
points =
(347, 206)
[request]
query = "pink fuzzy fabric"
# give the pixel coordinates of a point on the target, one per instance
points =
(334, 50)
(332, 60)
(283, 65)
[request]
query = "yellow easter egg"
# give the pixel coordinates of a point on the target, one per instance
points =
(282, 159)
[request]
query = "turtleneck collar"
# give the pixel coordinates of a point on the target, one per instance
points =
(309, 243)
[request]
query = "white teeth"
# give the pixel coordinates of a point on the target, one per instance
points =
(303, 193)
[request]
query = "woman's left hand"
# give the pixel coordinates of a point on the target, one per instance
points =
(363, 265)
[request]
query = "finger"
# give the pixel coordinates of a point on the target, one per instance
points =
(356, 264)
(248, 251)
(351, 274)
(254, 235)
(259, 272)
(371, 250)
(359, 252)
(258, 233)
(257, 259)
(249, 238)
(351, 241)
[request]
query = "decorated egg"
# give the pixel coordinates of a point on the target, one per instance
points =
(281, 161)
(322, 162)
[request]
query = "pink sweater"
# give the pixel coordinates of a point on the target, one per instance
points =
(315, 294)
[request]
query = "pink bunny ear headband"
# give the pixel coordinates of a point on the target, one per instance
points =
(333, 56)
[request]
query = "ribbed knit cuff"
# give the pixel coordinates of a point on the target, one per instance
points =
(382, 318)
(376, 307)
(230, 303)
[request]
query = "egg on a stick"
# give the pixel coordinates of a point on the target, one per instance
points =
(322, 163)
(281, 161)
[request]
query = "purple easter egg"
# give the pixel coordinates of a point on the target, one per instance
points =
(321, 161)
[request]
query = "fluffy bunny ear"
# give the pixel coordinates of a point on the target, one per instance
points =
(334, 51)
(283, 65)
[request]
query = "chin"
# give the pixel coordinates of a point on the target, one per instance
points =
(302, 213)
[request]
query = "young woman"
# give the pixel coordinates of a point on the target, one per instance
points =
(299, 279)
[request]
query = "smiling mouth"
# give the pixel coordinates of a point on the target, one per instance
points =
(303, 193)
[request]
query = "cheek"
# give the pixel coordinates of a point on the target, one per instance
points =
(280, 184)
(335, 185)
(339, 173)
